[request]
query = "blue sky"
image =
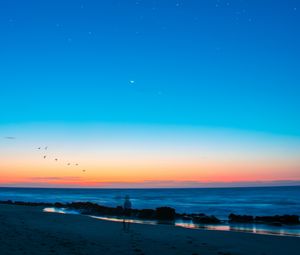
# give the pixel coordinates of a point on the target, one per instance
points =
(145, 91)
(228, 64)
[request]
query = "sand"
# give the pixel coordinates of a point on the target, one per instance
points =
(28, 230)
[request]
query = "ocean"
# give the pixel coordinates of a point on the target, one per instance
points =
(213, 201)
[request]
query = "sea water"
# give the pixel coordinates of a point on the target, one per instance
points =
(213, 201)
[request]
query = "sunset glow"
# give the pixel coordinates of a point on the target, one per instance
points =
(141, 156)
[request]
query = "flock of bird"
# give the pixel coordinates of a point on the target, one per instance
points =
(56, 159)
(45, 155)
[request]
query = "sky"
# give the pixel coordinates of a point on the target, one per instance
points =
(145, 93)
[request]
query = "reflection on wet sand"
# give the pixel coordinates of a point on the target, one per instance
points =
(249, 228)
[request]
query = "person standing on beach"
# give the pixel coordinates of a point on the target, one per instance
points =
(127, 212)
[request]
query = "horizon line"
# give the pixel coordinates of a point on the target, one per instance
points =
(141, 188)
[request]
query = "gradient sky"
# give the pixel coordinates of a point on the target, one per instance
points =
(174, 93)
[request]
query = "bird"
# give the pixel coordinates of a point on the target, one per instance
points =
(56, 159)
(46, 147)
(69, 164)
(76, 164)
(45, 156)
(83, 170)
(39, 148)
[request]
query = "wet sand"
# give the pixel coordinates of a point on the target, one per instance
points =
(28, 230)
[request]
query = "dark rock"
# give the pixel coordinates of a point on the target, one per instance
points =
(32, 203)
(165, 213)
(283, 219)
(59, 205)
(7, 202)
(92, 208)
(95, 209)
(240, 218)
(146, 214)
(119, 210)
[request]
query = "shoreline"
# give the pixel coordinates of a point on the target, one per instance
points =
(28, 230)
(258, 228)
(163, 213)
(168, 216)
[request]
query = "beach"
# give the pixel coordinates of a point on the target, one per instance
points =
(29, 230)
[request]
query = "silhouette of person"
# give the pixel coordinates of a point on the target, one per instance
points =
(126, 212)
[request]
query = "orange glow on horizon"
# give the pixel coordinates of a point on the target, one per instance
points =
(166, 161)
